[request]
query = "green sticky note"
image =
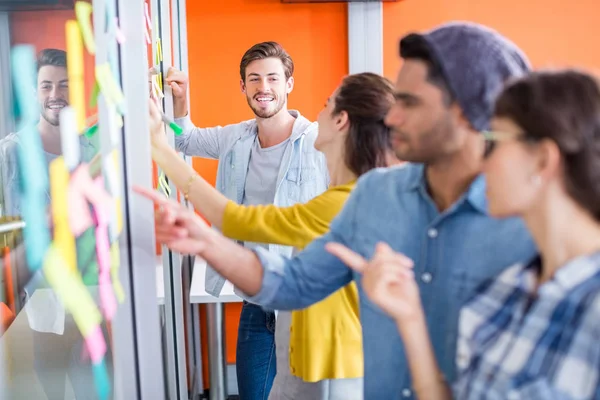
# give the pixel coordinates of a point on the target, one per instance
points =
(94, 95)
(71, 292)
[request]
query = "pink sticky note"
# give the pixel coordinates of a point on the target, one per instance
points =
(108, 301)
(79, 216)
(96, 346)
(118, 32)
(148, 19)
(147, 36)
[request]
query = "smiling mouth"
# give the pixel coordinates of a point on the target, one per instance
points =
(56, 107)
(264, 100)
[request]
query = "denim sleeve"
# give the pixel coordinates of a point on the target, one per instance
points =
(200, 142)
(314, 274)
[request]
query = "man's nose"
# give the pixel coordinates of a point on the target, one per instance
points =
(265, 86)
(395, 116)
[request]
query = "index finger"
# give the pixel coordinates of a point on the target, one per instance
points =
(352, 259)
(150, 194)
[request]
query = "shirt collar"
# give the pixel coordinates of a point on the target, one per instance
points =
(567, 277)
(475, 194)
(577, 271)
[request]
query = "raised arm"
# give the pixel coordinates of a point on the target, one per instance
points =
(194, 141)
(274, 281)
(296, 225)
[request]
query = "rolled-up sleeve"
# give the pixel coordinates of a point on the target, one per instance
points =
(312, 275)
(200, 142)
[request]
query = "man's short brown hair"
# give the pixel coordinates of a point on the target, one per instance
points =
(263, 50)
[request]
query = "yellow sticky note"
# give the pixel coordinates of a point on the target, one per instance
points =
(118, 203)
(71, 291)
(109, 87)
(83, 12)
(159, 51)
(75, 72)
(115, 263)
(63, 237)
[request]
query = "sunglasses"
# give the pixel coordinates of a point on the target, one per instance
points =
(493, 137)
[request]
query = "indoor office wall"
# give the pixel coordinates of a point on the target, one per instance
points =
(46, 29)
(315, 35)
(551, 32)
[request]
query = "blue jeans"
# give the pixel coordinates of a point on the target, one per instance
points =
(255, 360)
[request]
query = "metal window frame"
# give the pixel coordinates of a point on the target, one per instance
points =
(365, 37)
(137, 327)
(174, 269)
(6, 119)
(191, 311)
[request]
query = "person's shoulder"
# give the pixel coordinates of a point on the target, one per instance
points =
(303, 126)
(9, 145)
(400, 177)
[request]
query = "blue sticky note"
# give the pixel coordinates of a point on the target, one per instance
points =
(101, 380)
(33, 173)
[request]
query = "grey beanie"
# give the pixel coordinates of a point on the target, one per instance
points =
(476, 62)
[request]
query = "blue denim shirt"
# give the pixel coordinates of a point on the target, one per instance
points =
(302, 174)
(453, 251)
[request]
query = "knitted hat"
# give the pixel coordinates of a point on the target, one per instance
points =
(476, 61)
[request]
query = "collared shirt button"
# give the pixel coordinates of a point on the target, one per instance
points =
(426, 277)
(406, 392)
(432, 233)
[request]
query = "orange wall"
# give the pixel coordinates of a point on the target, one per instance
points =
(219, 32)
(46, 29)
(551, 32)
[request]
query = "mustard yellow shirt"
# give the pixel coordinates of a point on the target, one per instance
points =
(325, 338)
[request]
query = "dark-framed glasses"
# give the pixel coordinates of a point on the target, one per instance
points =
(491, 139)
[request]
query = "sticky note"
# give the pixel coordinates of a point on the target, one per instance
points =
(63, 237)
(86, 257)
(69, 138)
(148, 40)
(109, 87)
(95, 344)
(83, 12)
(79, 216)
(156, 87)
(33, 173)
(147, 14)
(159, 51)
(111, 174)
(71, 291)
(107, 299)
(163, 185)
(94, 95)
(118, 33)
(101, 380)
(75, 72)
(115, 263)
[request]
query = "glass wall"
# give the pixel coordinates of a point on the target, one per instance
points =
(78, 249)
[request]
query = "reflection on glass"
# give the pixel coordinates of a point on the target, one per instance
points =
(52, 94)
(46, 356)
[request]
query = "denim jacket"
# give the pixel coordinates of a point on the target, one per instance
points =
(302, 173)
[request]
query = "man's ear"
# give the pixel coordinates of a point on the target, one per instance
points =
(242, 86)
(459, 117)
(289, 85)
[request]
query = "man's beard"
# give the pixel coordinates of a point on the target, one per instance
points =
(51, 120)
(48, 115)
(265, 113)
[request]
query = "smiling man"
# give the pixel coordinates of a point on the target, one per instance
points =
(52, 90)
(268, 159)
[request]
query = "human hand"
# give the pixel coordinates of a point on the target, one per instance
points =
(176, 226)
